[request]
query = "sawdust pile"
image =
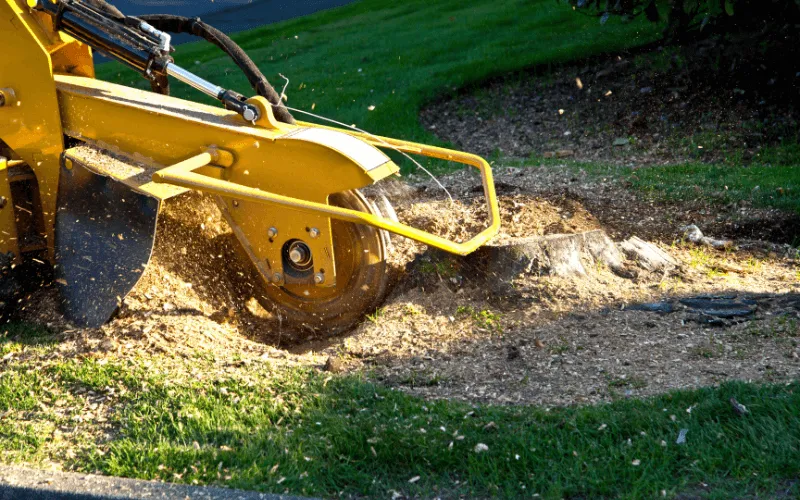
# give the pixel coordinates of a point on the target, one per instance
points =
(195, 294)
(451, 338)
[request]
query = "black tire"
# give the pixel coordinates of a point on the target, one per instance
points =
(362, 280)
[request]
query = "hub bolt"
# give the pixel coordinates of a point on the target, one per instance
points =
(299, 255)
(272, 232)
(319, 278)
(296, 255)
(313, 232)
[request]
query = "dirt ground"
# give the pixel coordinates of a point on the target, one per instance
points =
(716, 99)
(553, 340)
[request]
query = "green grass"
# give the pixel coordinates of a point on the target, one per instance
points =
(770, 180)
(301, 431)
(776, 186)
(396, 56)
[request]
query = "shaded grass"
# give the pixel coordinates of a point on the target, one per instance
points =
(301, 431)
(396, 57)
(770, 180)
(761, 185)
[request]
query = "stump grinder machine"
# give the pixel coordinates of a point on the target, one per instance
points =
(85, 166)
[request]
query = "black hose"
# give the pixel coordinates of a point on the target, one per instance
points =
(196, 27)
(106, 8)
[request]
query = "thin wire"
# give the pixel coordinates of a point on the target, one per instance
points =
(415, 162)
(283, 92)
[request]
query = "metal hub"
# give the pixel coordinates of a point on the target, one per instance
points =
(322, 301)
(298, 255)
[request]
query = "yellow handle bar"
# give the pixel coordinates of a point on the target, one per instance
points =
(183, 174)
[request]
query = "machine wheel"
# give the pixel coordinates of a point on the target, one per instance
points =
(362, 279)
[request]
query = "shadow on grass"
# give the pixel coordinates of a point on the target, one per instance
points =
(306, 434)
(24, 333)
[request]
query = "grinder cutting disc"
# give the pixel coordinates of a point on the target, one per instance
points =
(361, 279)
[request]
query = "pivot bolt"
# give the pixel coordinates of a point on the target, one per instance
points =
(277, 278)
(272, 232)
(313, 232)
(249, 114)
(296, 255)
(319, 278)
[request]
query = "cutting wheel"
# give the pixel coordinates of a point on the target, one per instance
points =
(362, 278)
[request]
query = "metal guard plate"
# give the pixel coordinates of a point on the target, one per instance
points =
(103, 242)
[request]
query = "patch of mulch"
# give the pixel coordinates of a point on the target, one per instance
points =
(562, 340)
(708, 100)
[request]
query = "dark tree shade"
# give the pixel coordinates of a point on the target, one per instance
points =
(684, 16)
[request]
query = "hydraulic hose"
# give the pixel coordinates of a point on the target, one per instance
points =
(196, 27)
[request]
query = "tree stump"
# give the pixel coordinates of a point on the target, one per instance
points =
(496, 266)
(553, 255)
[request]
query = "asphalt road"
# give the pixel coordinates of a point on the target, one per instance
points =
(229, 15)
(18, 483)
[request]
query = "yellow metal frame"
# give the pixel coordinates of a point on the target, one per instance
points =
(263, 174)
(133, 120)
(183, 174)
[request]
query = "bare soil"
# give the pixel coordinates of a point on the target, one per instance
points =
(556, 341)
(717, 99)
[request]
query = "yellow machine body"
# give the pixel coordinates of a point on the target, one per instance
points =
(273, 180)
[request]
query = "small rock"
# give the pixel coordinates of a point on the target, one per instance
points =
(334, 365)
(738, 407)
(564, 153)
(621, 141)
(480, 448)
(693, 234)
(168, 307)
(659, 307)
(646, 90)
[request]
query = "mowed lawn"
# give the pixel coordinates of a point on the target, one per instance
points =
(374, 63)
(204, 421)
(395, 56)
